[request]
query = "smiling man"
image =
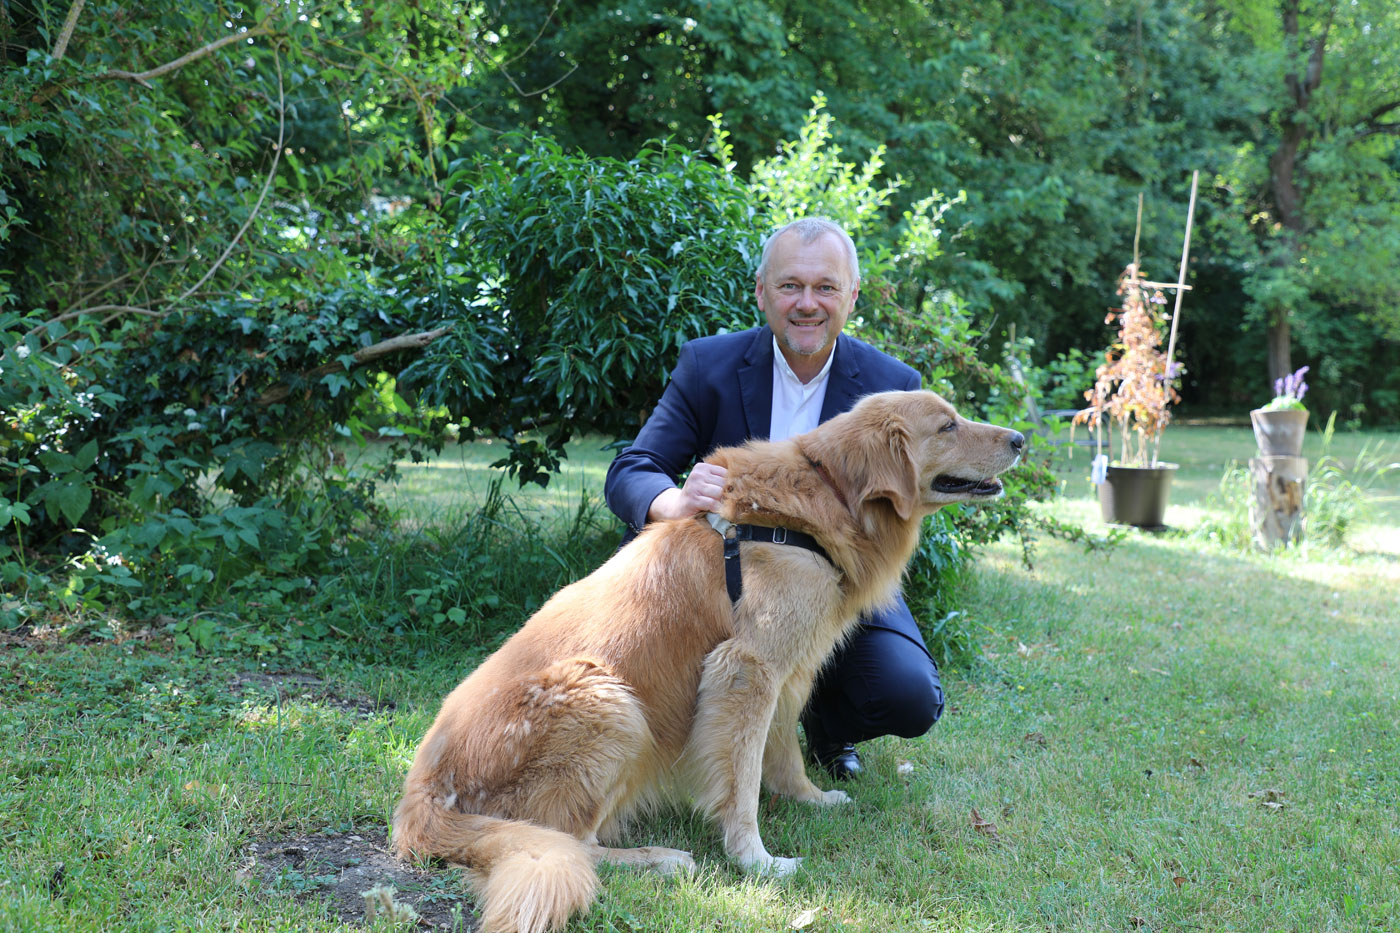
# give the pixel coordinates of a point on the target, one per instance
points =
(774, 381)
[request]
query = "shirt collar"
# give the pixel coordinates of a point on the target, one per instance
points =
(780, 365)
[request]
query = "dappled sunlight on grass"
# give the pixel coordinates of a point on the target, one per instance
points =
(457, 480)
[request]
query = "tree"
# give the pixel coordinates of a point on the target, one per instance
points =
(212, 219)
(1317, 189)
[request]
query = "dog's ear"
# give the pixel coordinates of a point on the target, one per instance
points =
(893, 475)
(869, 456)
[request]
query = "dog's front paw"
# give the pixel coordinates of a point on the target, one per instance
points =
(774, 867)
(831, 798)
(676, 862)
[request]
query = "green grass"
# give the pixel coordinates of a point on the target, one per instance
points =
(1123, 711)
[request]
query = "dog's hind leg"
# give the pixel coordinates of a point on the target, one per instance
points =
(783, 772)
(582, 743)
(735, 703)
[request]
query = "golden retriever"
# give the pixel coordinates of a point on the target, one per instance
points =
(642, 681)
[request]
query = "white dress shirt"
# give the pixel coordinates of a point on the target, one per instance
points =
(797, 407)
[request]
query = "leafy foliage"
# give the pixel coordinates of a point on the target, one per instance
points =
(580, 279)
(1050, 117)
(189, 298)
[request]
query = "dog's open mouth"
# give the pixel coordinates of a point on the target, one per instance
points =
(957, 485)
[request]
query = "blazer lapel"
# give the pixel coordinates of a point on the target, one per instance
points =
(756, 384)
(844, 385)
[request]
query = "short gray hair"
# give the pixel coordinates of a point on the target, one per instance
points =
(810, 229)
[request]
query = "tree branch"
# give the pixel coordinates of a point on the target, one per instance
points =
(1319, 50)
(485, 60)
(267, 184)
(1381, 129)
(112, 311)
(393, 345)
(143, 77)
(67, 33)
(1373, 118)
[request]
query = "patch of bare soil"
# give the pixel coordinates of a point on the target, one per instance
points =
(361, 880)
(299, 685)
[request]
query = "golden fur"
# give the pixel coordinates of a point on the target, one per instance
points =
(642, 680)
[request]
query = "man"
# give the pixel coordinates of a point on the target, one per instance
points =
(775, 381)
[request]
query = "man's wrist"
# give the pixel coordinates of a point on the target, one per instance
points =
(665, 505)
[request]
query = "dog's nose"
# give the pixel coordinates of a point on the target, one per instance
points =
(1018, 440)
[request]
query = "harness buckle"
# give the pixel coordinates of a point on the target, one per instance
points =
(780, 535)
(723, 526)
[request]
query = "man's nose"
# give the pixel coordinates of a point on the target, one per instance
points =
(807, 297)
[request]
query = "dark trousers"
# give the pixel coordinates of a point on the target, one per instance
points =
(881, 682)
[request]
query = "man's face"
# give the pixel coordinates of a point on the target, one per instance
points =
(806, 297)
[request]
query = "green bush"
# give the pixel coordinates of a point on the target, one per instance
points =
(586, 276)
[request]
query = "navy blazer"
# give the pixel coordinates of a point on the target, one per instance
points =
(721, 394)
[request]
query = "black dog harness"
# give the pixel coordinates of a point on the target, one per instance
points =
(733, 534)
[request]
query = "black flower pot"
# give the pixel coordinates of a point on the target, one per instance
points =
(1136, 495)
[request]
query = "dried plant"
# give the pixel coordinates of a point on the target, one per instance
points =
(1134, 386)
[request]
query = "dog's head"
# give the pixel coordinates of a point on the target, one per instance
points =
(913, 450)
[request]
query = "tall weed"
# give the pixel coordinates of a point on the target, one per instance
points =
(470, 578)
(1335, 492)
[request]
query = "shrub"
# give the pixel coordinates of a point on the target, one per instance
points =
(586, 276)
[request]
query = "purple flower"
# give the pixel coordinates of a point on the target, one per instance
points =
(1291, 386)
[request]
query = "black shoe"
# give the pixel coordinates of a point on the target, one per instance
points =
(838, 759)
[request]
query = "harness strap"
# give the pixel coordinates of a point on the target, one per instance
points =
(733, 534)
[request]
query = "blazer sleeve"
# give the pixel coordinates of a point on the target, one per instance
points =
(669, 443)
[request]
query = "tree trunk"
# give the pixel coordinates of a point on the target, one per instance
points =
(1284, 190)
(1279, 341)
(1276, 512)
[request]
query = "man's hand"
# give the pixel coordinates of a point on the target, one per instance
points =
(701, 493)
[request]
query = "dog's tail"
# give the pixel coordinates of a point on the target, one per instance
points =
(529, 878)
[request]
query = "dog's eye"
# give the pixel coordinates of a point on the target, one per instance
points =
(950, 426)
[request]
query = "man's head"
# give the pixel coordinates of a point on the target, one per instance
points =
(806, 286)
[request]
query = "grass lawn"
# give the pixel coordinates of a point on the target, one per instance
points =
(1171, 737)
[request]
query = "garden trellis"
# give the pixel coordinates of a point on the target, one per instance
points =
(1127, 399)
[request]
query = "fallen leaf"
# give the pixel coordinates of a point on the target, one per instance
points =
(1178, 880)
(1035, 738)
(985, 827)
(804, 919)
(1196, 764)
(1268, 795)
(213, 790)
